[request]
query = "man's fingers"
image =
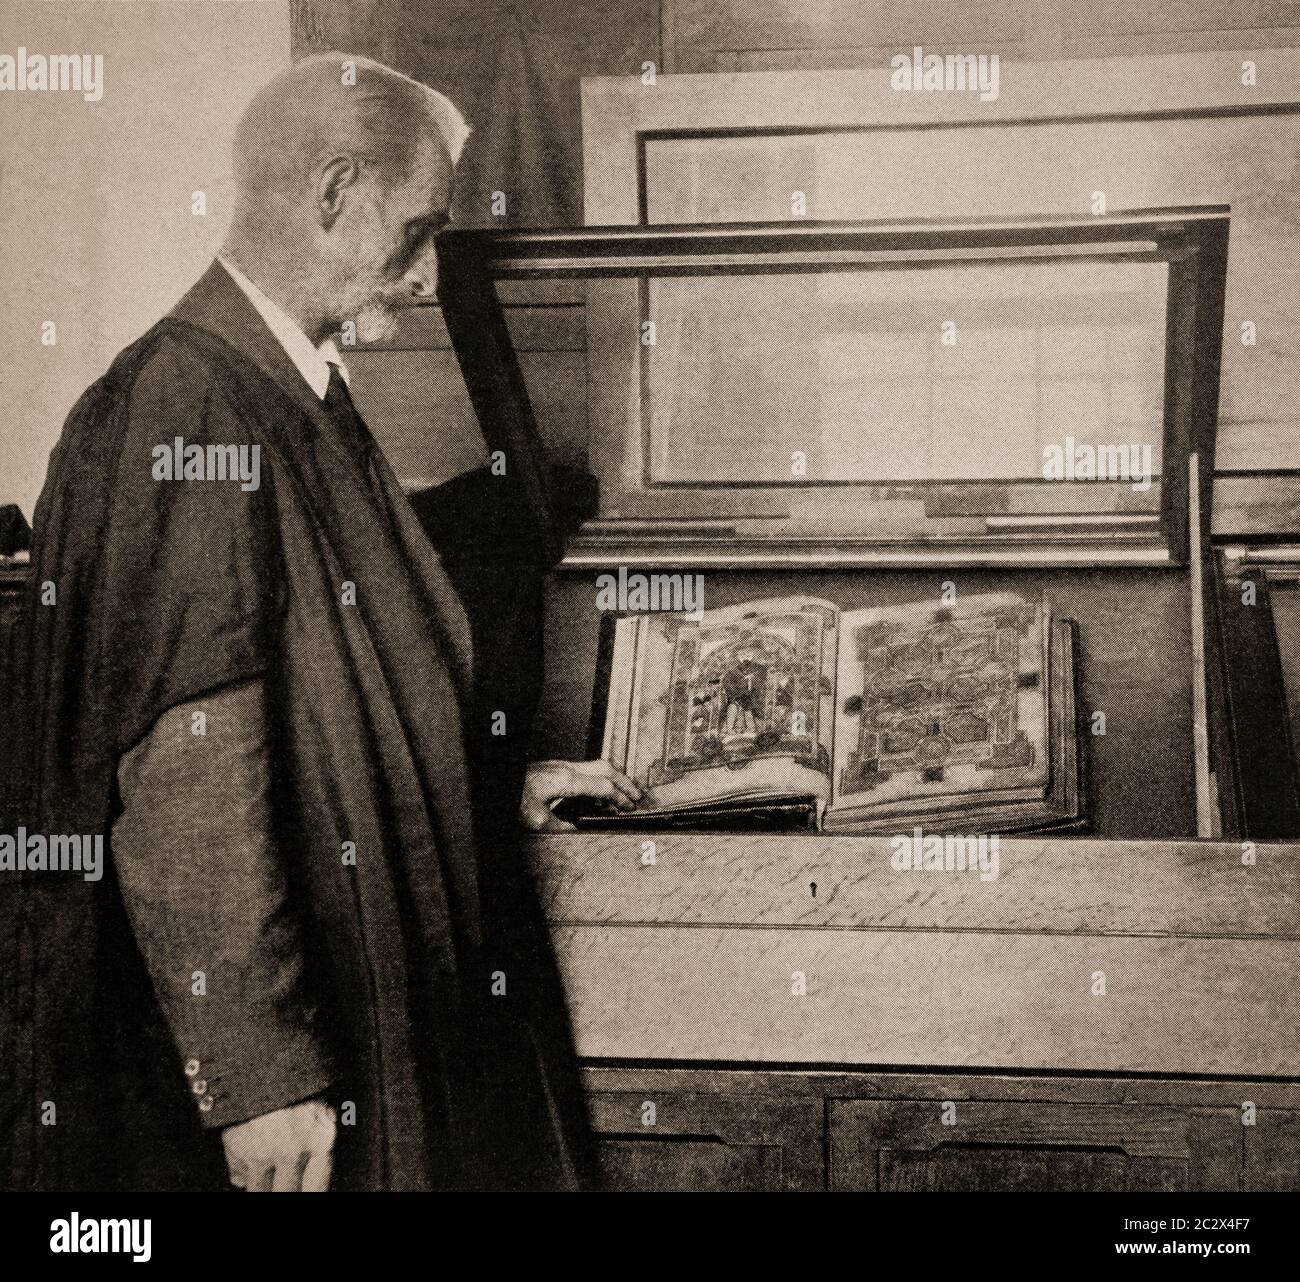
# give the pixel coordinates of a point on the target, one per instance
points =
(600, 779)
(629, 786)
(316, 1178)
(319, 1164)
(270, 1153)
(258, 1178)
(585, 785)
(550, 781)
(609, 789)
(539, 818)
(288, 1174)
(603, 770)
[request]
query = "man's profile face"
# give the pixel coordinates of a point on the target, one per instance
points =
(384, 242)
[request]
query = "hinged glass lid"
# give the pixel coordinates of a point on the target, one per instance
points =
(813, 393)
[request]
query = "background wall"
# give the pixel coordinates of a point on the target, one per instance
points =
(97, 231)
(516, 69)
(514, 66)
(757, 35)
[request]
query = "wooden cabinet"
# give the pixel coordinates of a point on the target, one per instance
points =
(703, 1129)
(1010, 1146)
(12, 580)
(1273, 1152)
(944, 1033)
(670, 1139)
(1116, 1012)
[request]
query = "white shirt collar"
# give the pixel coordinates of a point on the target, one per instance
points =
(313, 363)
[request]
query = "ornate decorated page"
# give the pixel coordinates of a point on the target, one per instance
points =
(735, 706)
(940, 706)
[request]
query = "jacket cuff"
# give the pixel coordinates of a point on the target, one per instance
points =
(275, 1069)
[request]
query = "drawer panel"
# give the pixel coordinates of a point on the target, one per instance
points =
(1273, 1152)
(647, 1140)
(1022, 1145)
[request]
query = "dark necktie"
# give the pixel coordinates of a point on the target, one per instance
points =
(353, 434)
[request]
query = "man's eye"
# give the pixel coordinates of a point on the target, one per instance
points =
(409, 247)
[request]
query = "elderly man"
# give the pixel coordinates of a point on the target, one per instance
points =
(310, 962)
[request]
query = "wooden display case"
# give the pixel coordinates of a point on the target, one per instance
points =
(789, 1012)
(1123, 313)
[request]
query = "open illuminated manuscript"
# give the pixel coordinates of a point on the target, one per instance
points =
(826, 418)
(871, 720)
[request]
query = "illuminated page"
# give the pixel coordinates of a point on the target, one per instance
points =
(738, 705)
(942, 703)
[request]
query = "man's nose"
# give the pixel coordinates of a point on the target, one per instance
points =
(422, 276)
(420, 285)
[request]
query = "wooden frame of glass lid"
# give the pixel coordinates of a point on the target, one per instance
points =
(822, 394)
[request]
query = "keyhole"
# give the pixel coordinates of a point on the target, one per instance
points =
(813, 887)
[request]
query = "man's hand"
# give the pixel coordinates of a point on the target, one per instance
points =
(288, 1151)
(548, 781)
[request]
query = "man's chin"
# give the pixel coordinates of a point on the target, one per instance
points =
(376, 324)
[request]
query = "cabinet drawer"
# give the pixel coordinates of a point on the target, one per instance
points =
(1273, 1152)
(1022, 1145)
(670, 1140)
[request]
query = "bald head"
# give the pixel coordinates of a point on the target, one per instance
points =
(333, 104)
(343, 177)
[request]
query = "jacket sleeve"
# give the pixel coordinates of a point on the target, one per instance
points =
(196, 860)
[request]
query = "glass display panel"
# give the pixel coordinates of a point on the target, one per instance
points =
(996, 370)
(991, 391)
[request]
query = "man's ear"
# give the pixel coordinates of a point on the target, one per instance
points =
(333, 178)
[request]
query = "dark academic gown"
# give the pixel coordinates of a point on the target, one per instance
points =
(381, 735)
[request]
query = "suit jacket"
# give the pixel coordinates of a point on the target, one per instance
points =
(321, 585)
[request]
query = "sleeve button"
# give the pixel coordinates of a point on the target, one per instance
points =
(205, 1104)
(191, 1067)
(199, 1086)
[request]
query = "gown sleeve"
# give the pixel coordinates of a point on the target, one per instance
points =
(193, 585)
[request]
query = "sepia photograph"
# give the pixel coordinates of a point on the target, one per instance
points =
(655, 596)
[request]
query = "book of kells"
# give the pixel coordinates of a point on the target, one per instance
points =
(791, 712)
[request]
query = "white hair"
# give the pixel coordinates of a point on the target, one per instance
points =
(446, 115)
(337, 101)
